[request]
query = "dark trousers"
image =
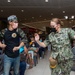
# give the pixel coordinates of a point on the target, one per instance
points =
(41, 49)
(22, 68)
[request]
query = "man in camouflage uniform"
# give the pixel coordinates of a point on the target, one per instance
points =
(14, 38)
(61, 47)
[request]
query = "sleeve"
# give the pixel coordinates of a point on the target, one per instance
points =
(23, 36)
(47, 41)
(71, 33)
(1, 35)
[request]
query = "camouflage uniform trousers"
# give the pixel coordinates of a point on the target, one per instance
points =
(63, 68)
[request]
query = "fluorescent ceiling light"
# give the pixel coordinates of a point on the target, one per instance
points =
(8, 0)
(72, 17)
(66, 17)
(32, 17)
(1, 10)
(51, 13)
(46, 0)
(63, 11)
(22, 10)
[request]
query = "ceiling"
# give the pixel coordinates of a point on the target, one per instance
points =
(36, 10)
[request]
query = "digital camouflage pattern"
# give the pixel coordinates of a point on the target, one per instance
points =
(61, 50)
(63, 68)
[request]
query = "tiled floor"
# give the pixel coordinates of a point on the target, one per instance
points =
(42, 67)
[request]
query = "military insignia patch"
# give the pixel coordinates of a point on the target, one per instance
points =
(14, 35)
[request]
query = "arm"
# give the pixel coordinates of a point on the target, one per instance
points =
(71, 33)
(42, 44)
(0, 44)
(21, 44)
(25, 50)
(23, 36)
(37, 40)
(1, 38)
(23, 40)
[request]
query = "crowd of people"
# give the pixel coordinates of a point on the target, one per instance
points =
(12, 39)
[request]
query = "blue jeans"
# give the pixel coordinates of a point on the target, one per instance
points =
(8, 62)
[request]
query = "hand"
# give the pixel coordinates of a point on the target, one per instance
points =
(52, 61)
(15, 49)
(36, 37)
(3, 46)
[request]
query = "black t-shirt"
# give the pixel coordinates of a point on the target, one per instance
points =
(11, 39)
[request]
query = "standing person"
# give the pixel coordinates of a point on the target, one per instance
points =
(11, 36)
(61, 55)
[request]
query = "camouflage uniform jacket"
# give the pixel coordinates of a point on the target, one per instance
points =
(60, 41)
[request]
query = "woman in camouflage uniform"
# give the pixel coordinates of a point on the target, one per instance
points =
(61, 54)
